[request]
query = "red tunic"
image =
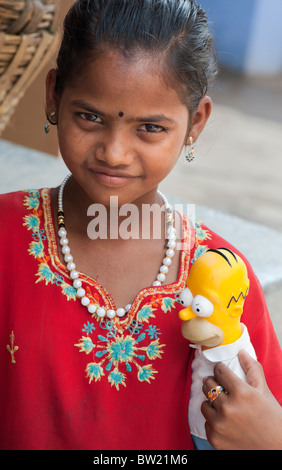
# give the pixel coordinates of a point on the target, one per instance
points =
(71, 381)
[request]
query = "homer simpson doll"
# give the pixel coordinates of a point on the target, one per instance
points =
(213, 299)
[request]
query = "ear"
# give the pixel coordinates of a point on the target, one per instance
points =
(51, 95)
(235, 310)
(200, 118)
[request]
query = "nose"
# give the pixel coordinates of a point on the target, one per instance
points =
(116, 149)
(187, 314)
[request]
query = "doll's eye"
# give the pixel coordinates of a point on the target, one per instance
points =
(186, 297)
(201, 306)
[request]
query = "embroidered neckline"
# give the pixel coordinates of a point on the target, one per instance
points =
(173, 288)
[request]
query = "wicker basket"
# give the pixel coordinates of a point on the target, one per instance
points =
(27, 41)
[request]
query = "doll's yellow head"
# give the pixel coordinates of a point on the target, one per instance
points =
(217, 286)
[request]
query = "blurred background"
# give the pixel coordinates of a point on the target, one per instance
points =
(238, 166)
(236, 178)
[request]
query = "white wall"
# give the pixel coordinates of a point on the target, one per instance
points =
(264, 50)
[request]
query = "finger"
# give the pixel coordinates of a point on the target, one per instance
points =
(253, 370)
(209, 412)
(209, 432)
(213, 391)
(208, 384)
(228, 379)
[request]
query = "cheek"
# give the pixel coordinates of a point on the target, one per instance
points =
(220, 317)
(74, 147)
(165, 158)
(72, 141)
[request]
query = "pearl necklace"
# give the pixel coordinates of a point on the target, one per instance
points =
(92, 308)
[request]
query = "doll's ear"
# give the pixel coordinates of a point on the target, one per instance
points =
(235, 310)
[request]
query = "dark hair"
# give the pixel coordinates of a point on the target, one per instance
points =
(176, 29)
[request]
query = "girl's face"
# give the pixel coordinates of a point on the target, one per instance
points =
(121, 129)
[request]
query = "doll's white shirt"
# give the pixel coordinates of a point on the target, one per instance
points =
(203, 366)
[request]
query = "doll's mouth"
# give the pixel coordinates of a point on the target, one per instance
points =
(212, 338)
(201, 332)
(212, 341)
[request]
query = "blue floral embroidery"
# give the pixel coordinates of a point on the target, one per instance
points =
(94, 371)
(32, 200)
(201, 234)
(58, 280)
(86, 345)
(146, 373)
(122, 350)
(108, 325)
(145, 313)
(36, 248)
(116, 378)
(69, 291)
(199, 252)
(167, 304)
(117, 352)
(33, 193)
(39, 235)
(44, 273)
(31, 222)
(135, 327)
(153, 332)
(88, 328)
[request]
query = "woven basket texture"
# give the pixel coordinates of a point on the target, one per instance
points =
(27, 41)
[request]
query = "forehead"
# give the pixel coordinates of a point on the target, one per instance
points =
(116, 79)
(208, 289)
(210, 275)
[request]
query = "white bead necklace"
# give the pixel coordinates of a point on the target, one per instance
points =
(92, 308)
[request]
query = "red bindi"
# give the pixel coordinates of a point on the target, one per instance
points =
(121, 114)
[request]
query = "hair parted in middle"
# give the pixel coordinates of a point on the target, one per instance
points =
(176, 32)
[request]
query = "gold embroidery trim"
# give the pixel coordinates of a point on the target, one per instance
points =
(12, 349)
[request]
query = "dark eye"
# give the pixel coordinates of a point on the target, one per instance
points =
(152, 128)
(202, 306)
(90, 117)
(186, 297)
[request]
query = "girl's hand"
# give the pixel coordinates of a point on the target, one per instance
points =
(248, 417)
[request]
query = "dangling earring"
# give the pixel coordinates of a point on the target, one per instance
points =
(190, 156)
(47, 125)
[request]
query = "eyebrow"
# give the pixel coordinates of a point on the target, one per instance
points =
(156, 118)
(221, 254)
(87, 107)
(231, 252)
(150, 119)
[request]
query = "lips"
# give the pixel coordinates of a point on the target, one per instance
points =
(110, 177)
(200, 331)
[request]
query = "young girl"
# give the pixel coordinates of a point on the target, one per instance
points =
(92, 355)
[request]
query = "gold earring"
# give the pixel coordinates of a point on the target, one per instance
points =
(190, 156)
(47, 125)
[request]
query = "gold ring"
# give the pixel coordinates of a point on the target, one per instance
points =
(215, 392)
